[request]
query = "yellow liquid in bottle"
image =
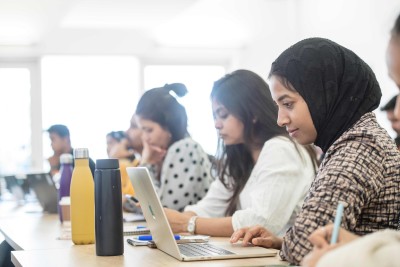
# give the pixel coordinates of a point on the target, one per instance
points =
(82, 203)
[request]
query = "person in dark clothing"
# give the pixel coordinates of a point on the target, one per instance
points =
(394, 120)
(61, 143)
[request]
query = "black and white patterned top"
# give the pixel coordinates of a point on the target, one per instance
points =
(185, 175)
(362, 169)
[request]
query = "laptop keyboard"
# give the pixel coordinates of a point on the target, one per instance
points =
(202, 249)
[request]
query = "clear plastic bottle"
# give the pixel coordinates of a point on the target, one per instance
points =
(66, 161)
(82, 200)
(108, 208)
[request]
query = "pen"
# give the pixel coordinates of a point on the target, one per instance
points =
(132, 198)
(338, 220)
(149, 237)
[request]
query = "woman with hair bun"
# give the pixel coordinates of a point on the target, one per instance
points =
(179, 166)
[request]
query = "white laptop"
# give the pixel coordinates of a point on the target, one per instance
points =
(162, 234)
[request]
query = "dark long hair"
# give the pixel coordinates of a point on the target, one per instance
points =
(246, 96)
(160, 106)
(396, 27)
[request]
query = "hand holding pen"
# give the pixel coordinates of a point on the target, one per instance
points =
(332, 234)
(327, 238)
(321, 237)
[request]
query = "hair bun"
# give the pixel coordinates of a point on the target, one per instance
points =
(178, 88)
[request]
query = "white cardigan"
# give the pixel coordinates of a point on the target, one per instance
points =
(274, 193)
(377, 249)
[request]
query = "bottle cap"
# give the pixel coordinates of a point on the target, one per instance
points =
(66, 158)
(107, 164)
(81, 153)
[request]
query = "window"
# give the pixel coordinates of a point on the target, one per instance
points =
(91, 95)
(199, 81)
(15, 136)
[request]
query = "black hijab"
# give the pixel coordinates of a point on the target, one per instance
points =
(337, 85)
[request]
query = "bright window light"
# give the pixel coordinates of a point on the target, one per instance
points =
(92, 95)
(199, 81)
(15, 136)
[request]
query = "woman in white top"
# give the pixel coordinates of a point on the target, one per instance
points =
(263, 175)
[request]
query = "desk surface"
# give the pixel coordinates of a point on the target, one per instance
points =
(35, 237)
(33, 231)
(133, 256)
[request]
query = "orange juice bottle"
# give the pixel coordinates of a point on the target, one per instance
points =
(82, 200)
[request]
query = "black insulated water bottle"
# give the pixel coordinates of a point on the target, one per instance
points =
(108, 208)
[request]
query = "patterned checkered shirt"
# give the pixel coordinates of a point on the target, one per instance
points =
(362, 169)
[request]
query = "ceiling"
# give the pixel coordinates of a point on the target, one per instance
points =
(121, 26)
(28, 22)
(199, 29)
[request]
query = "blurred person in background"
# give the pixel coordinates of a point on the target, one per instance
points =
(61, 143)
(126, 147)
(394, 120)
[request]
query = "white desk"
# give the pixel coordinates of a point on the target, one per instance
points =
(33, 231)
(34, 236)
(133, 256)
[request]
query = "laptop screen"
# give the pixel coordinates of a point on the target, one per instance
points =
(43, 186)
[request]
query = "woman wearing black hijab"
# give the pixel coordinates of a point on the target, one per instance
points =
(326, 95)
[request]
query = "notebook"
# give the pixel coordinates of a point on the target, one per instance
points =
(134, 230)
(162, 234)
(46, 193)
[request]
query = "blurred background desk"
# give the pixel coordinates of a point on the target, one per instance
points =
(35, 236)
(34, 231)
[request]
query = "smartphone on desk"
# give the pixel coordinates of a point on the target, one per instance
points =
(139, 243)
(132, 199)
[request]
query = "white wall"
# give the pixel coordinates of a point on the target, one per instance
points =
(360, 25)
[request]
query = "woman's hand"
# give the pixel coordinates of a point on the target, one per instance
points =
(152, 154)
(178, 220)
(320, 239)
(258, 236)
